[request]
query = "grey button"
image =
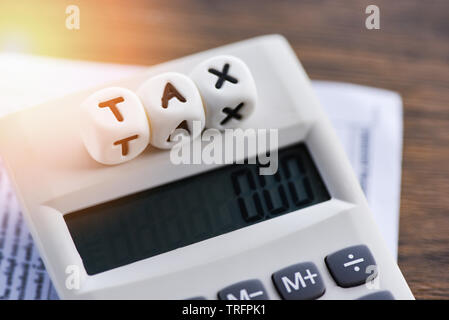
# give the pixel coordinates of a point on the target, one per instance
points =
(379, 295)
(351, 266)
(245, 290)
(301, 281)
(197, 298)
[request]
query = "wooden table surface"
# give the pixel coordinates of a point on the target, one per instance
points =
(409, 54)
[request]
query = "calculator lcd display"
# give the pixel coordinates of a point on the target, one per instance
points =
(193, 209)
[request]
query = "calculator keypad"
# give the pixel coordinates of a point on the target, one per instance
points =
(349, 267)
(301, 281)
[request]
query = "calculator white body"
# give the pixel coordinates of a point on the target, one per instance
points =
(53, 174)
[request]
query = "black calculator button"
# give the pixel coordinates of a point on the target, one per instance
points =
(197, 298)
(245, 290)
(379, 295)
(301, 281)
(352, 266)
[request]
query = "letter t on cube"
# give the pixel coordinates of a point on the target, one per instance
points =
(114, 125)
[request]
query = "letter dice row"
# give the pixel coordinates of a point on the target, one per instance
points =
(118, 124)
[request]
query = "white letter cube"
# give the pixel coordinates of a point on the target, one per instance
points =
(171, 100)
(114, 126)
(228, 91)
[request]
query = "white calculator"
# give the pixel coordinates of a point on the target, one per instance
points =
(152, 229)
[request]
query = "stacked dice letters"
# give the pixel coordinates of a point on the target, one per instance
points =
(118, 124)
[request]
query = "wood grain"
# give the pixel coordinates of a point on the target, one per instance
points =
(409, 54)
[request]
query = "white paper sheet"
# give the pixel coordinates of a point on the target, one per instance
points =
(367, 120)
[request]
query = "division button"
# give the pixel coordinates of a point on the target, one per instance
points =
(301, 281)
(351, 266)
(245, 290)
